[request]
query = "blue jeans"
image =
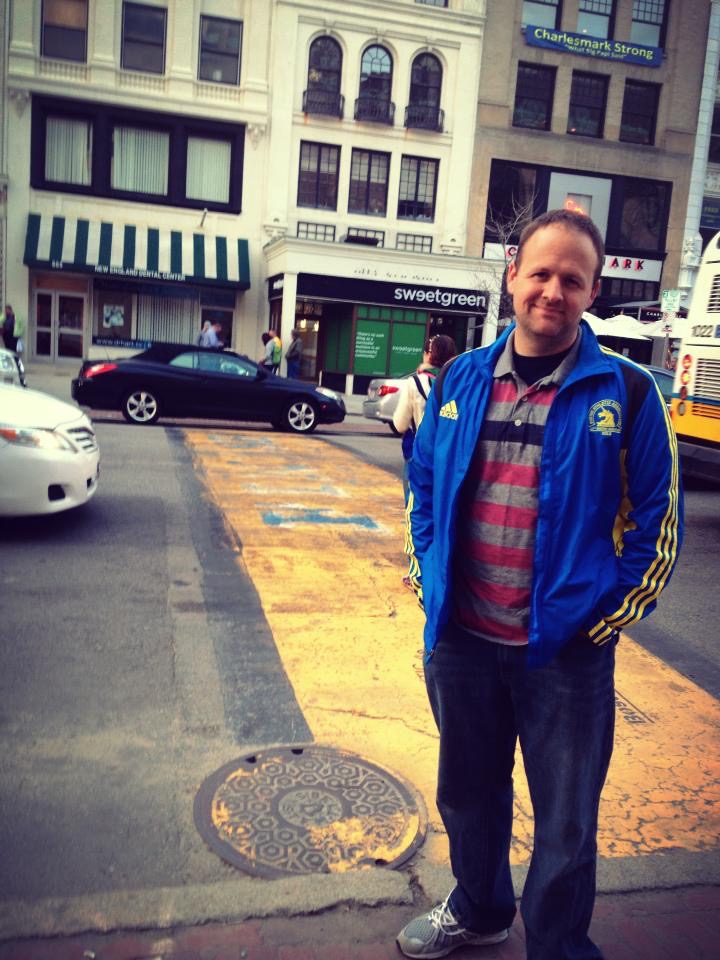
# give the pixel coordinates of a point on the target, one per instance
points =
(483, 698)
(293, 369)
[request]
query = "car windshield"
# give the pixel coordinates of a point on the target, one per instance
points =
(221, 363)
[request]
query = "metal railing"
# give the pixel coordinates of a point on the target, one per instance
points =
(323, 102)
(375, 109)
(424, 117)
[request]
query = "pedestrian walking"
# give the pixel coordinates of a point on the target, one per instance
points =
(293, 354)
(413, 396)
(544, 516)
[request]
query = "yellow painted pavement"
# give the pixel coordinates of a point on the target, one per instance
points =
(321, 536)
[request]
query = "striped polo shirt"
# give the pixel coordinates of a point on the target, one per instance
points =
(497, 510)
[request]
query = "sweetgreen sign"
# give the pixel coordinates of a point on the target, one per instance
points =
(406, 349)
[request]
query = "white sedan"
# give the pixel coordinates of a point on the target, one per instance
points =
(49, 458)
(11, 368)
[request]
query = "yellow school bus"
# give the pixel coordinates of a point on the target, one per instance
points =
(695, 406)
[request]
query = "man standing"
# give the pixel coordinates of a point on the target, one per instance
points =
(293, 354)
(211, 337)
(8, 328)
(544, 516)
(276, 350)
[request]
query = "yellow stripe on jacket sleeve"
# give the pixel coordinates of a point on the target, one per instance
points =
(666, 548)
(409, 549)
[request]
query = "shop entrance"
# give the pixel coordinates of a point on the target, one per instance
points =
(59, 324)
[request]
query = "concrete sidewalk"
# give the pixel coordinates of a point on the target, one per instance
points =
(679, 924)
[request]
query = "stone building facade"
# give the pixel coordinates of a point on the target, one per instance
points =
(593, 104)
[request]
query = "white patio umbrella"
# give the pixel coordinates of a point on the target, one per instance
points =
(618, 326)
(657, 329)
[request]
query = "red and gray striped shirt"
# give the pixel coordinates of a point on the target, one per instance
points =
(497, 511)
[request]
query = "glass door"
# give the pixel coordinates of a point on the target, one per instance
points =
(59, 325)
(71, 316)
(43, 325)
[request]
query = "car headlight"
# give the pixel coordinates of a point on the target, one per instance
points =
(333, 394)
(35, 437)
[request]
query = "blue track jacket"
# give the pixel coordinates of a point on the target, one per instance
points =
(610, 517)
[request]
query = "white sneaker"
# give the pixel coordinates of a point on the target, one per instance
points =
(437, 933)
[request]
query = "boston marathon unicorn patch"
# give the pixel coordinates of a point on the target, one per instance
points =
(605, 417)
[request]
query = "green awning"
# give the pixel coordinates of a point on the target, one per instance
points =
(125, 250)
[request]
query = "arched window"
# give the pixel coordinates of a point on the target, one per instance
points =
(374, 101)
(425, 85)
(324, 76)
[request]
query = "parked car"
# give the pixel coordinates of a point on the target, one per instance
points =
(12, 370)
(382, 399)
(664, 379)
(49, 458)
(177, 380)
(384, 393)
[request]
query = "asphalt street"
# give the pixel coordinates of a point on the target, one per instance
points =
(229, 589)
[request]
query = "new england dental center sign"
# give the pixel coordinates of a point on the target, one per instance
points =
(617, 50)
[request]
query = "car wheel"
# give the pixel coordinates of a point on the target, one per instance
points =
(141, 406)
(300, 417)
(393, 429)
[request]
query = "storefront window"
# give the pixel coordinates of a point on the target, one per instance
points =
(639, 112)
(648, 17)
(368, 182)
(140, 160)
(143, 38)
(388, 342)
(68, 150)
(644, 215)
(64, 29)
(714, 153)
(219, 59)
(224, 318)
(167, 319)
(513, 190)
(208, 169)
(318, 176)
(588, 96)
(534, 93)
(418, 184)
(324, 77)
(541, 13)
(595, 17)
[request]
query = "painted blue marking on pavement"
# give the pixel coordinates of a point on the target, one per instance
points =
(318, 516)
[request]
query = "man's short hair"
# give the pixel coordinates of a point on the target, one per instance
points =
(573, 221)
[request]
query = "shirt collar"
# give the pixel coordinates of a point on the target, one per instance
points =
(504, 366)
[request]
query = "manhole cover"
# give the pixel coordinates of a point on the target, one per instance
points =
(311, 809)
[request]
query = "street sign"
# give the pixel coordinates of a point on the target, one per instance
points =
(670, 301)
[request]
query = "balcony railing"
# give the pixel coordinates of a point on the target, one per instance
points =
(375, 109)
(424, 117)
(323, 102)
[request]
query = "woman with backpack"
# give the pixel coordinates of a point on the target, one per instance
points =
(411, 405)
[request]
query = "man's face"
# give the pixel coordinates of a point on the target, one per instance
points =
(550, 287)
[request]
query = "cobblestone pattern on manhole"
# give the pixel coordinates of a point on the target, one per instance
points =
(308, 809)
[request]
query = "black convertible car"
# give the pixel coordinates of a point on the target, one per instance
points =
(177, 380)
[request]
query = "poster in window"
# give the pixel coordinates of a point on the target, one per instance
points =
(371, 347)
(113, 315)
